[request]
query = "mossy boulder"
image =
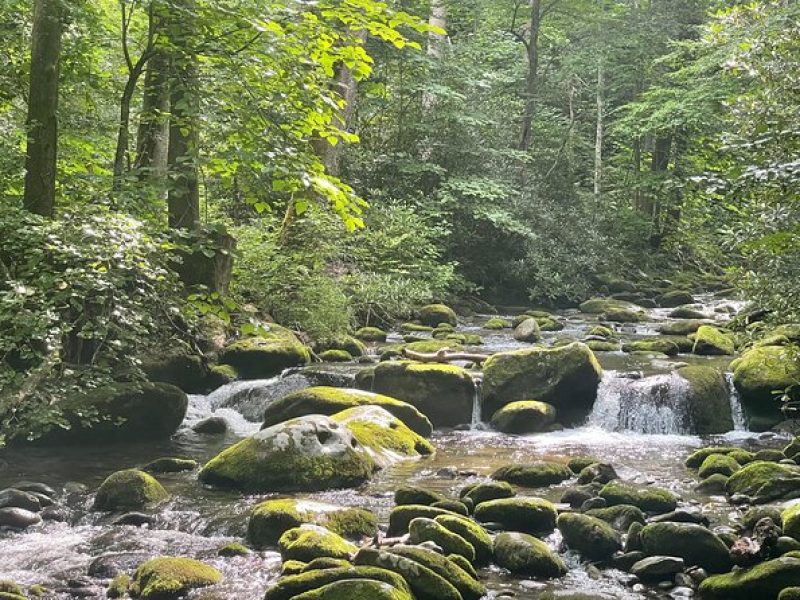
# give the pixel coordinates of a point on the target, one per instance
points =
(384, 437)
(124, 412)
(791, 593)
(764, 581)
(307, 542)
(343, 343)
(599, 306)
(686, 312)
(592, 537)
(496, 324)
(371, 334)
(335, 356)
(421, 530)
(540, 474)
(601, 331)
(524, 554)
(682, 327)
(623, 315)
(710, 341)
(524, 416)
(693, 543)
(272, 518)
(663, 345)
(528, 331)
(168, 577)
(763, 481)
(170, 464)
(456, 506)
(483, 492)
(675, 298)
(129, 489)
(305, 454)
(233, 549)
(425, 584)
(433, 346)
(188, 372)
(790, 517)
(443, 393)
(566, 377)
(708, 399)
(265, 356)
(401, 516)
(603, 346)
(696, 458)
(620, 517)
(414, 327)
(527, 515)
(577, 464)
(473, 533)
(447, 568)
(292, 586)
(758, 374)
(649, 499)
(436, 314)
(407, 494)
(718, 463)
(355, 589)
(324, 400)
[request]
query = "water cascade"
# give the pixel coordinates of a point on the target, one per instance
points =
(737, 411)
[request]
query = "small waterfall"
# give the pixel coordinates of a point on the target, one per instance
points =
(477, 406)
(652, 405)
(737, 411)
(250, 398)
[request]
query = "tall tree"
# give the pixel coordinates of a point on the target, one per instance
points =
(42, 121)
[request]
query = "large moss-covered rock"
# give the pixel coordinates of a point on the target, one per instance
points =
(681, 327)
(758, 374)
(790, 517)
(401, 516)
(675, 298)
(436, 314)
(473, 533)
(422, 530)
(620, 517)
(304, 454)
(271, 519)
(763, 481)
(443, 393)
(267, 355)
(188, 372)
(168, 577)
(371, 334)
(291, 586)
(384, 437)
(696, 458)
(325, 400)
(122, 412)
(664, 345)
(496, 324)
(524, 554)
(718, 464)
(708, 399)
(408, 494)
(764, 581)
(355, 589)
(566, 377)
(483, 492)
(540, 474)
(527, 515)
(445, 567)
(307, 542)
(129, 489)
(648, 499)
(598, 306)
(710, 341)
(623, 315)
(528, 331)
(693, 543)
(524, 416)
(424, 583)
(592, 537)
(343, 343)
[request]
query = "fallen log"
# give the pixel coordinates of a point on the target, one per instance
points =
(445, 355)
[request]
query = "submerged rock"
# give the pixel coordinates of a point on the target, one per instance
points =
(167, 577)
(524, 416)
(171, 465)
(265, 356)
(18, 518)
(524, 554)
(129, 489)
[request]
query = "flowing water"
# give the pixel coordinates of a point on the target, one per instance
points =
(639, 424)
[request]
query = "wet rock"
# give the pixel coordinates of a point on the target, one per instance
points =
(307, 542)
(600, 473)
(401, 516)
(528, 331)
(764, 581)
(686, 312)
(527, 515)
(792, 593)
(682, 515)
(110, 565)
(598, 306)
(657, 567)
(710, 341)
(171, 465)
(696, 458)
(682, 327)
(455, 506)
(169, 577)
(359, 588)
(323, 400)
(416, 495)
(424, 583)
(620, 517)
(786, 544)
(422, 530)
(762, 482)
(693, 543)
(526, 555)
(136, 519)
(473, 533)
(708, 399)
(371, 334)
(755, 514)
(433, 315)
(305, 454)
(211, 426)
(55, 513)
(18, 518)
(539, 474)
(593, 503)
(12, 498)
(445, 567)
(483, 492)
(128, 489)
(524, 416)
(576, 496)
(648, 499)
(756, 374)
(118, 588)
(35, 487)
(448, 473)
(625, 560)
(266, 356)
(714, 484)
(592, 537)
(292, 586)
(675, 298)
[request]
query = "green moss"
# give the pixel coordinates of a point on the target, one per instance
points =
(648, 499)
(473, 533)
(496, 324)
(709, 340)
(335, 356)
(792, 593)
(696, 458)
(656, 344)
(343, 343)
(764, 481)
(10, 596)
(353, 523)
(129, 489)
(623, 315)
(592, 537)
(718, 463)
(291, 586)
(219, 375)
(422, 530)
(579, 463)
(603, 346)
(525, 555)
(401, 516)
(464, 565)
(762, 371)
(326, 562)
(790, 518)
(764, 581)
(756, 513)
(446, 568)
(708, 399)
(601, 331)
(456, 506)
(355, 589)
(483, 492)
(693, 543)
(435, 314)
(620, 517)
(307, 542)
(233, 549)
(549, 324)
(37, 590)
(524, 416)
(681, 327)
(292, 567)
(118, 588)
(407, 494)
(433, 346)
(528, 515)
(686, 312)
(267, 355)
(10, 587)
(371, 334)
(289, 457)
(415, 327)
(675, 298)
(170, 577)
(539, 474)
(566, 377)
(424, 583)
(324, 400)
(769, 455)
(597, 306)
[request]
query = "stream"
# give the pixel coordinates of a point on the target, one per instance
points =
(638, 424)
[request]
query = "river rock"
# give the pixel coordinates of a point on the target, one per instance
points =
(527, 515)
(682, 327)
(211, 426)
(35, 487)
(540, 474)
(129, 489)
(764, 581)
(169, 577)
(307, 542)
(526, 555)
(292, 586)
(483, 492)
(187, 371)
(592, 537)
(657, 568)
(473, 533)
(171, 465)
(524, 416)
(598, 306)
(620, 517)
(446, 567)
(565, 377)
(675, 298)
(708, 399)
(710, 341)
(718, 464)
(355, 588)
(10, 498)
(371, 334)
(598, 473)
(424, 583)
(265, 356)
(408, 494)
(695, 544)
(763, 482)
(401, 516)
(305, 454)
(443, 393)
(649, 499)
(757, 374)
(18, 518)
(324, 400)
(528, 331)
(421, 530)
(433, 315)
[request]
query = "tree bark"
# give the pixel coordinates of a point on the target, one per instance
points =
(598, 138)
(532, 79)
(152, 143)
(42, 144)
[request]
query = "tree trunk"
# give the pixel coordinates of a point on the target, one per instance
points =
(658, 168)
(42, 143)
(598, 138)
(184, 191)
(123, 135)
(152, 144)
(532, 79)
